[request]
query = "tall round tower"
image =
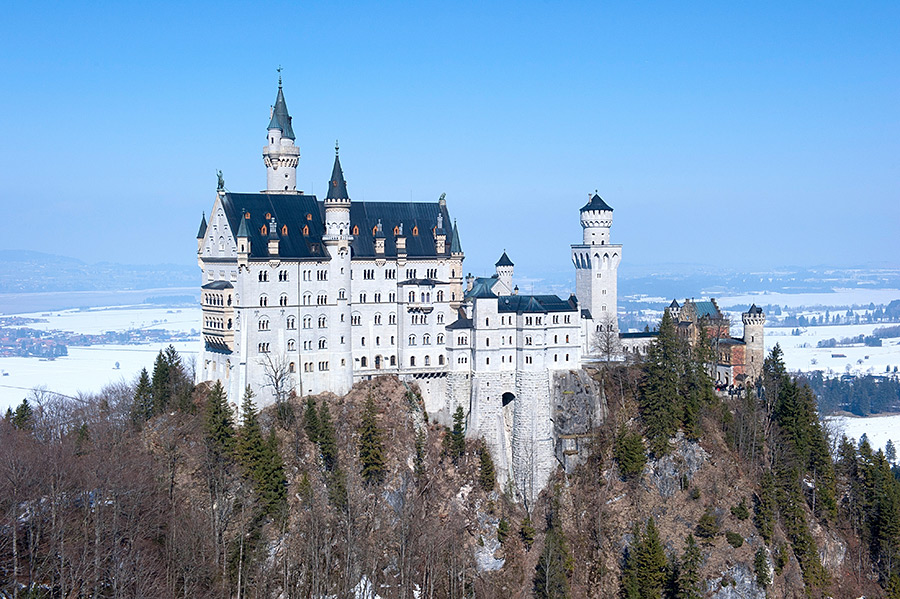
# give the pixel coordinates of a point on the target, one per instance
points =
(596, 273)
(754, 320)
(280, 154)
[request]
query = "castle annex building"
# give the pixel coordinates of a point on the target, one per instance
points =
(306, 295)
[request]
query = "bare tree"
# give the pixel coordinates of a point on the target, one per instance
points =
(605, 340)
(278, 376)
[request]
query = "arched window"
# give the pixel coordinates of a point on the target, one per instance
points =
(322, 299)
(283, 300)
(440, 296)
(362, 298)
(263, 324)
(378, 319)
(412, 339)
(229, 324)
(307, 298)
(427, 360)
(323, 321)
(412, 297)
(392, 318)
(307, 322)
(440, 319)
(412, 360)
(323, 343)
(363, 362)
(291, 345)
(306, 230)
(393, 360)
(426, 339)
(263, 300)
(441, 360)
(291, 323)
(355, 230)
(440, 339)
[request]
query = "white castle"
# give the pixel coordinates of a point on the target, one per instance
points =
(325, 293)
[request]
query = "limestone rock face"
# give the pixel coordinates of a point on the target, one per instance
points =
(684, 461)
(737, 582)
(578, 406)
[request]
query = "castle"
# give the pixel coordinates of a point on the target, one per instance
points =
(307, 296)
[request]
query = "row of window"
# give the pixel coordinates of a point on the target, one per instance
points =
(216, 323)
(214, 299)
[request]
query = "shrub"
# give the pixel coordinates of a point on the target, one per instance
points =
(734, 539)
(740, 510)
(708, 526)
(629, 453)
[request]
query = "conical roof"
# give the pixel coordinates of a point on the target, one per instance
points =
(202, 232)
(455, 245)
(243, 230)
(337, 187)
(280, 118)
(596, 203)
(504, 260)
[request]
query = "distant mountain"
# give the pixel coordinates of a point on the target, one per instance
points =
(23, 271)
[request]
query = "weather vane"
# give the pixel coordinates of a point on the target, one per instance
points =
(279, 74)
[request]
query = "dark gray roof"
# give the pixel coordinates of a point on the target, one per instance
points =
(337, 187)
(297, 211)
(504, 260)
(754, 309)
(674, 304)
(481, 288)
(639, 335)
(202, 232)
(596, 203)
(455, 245)
(425, 282)
(536, 303)
(731, 341)
(218, 285)
(280, 118)
(462, 323)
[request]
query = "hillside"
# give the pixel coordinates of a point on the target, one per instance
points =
(153, 490)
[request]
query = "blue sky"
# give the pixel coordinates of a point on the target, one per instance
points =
(738, 135)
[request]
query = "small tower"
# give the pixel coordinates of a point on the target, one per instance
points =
(379, 239)
(243, 241)
(201, 233)
(504, 268)
(754, 320)
(596, 269)
(336, 239)
(440, 236)
(280, 154)
(274, 239)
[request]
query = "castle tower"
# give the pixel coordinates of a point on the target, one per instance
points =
(754, 320)
(504, 268)
(337, 240)
(280, 154)
(596, 271)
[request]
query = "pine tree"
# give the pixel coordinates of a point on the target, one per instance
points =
(646, 569)
(660, 391)
(327, 438)
(555, 564)
(890, 451)
(766, 507)
(311, 420)
(218, 424)
(272, 485)
(688, 583)
(487, 475)
(371, 447)
(160, 383)
(708, 525)
(337, 490)
(526, 531)
(142, 407)
(629, 453)
(22, 417)
(761, 567)
(458, 435)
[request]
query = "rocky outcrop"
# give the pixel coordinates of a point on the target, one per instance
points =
(578, 405)
(670, 473)
(737, 582)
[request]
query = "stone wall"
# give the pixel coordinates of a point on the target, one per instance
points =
(578, 406)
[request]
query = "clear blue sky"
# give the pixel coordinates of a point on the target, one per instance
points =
(735, 134)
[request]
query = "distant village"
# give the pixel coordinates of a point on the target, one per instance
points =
(19, 339)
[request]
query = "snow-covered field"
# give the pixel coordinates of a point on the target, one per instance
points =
(857, 296)
(88, 369)
(878, 429)
(801, 353)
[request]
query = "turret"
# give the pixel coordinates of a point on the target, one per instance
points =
(201, 234)
(440, 236)
(337, 207)
(400, 242)
(280, 154)
(243, 241)
(504, 268)
(379, 239)
(754, 321)
(596, 219)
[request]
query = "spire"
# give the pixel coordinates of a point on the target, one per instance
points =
(455, 245)
(504, 260)
(281, 120)
(243, 230)
(337, 187)
(202, 232)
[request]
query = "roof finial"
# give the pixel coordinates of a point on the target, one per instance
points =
(279, 75)
(336, 147)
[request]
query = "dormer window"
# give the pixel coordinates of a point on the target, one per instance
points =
(355, 230)
(306, 230)
(396, 231)
(284, 229)
(415, 231)
(264, 230)
(268, 216)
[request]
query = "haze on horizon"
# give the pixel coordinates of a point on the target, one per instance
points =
(738, 136)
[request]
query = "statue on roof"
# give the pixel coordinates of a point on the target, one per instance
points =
(221, 181)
